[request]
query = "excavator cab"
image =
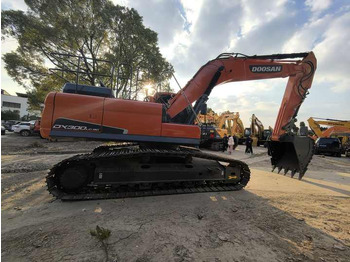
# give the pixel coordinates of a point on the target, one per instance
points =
(291, 153)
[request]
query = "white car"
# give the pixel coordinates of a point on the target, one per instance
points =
(23, 128)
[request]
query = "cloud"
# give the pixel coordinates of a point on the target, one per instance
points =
(317, 5)
(252, 97)
(333, 56)
(216, 23)
(257, 12)
(164, 17)
(326, 37)
(192, 10)
(306, 37)
(247, 105)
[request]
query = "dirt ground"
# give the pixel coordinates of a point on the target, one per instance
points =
(275, 218)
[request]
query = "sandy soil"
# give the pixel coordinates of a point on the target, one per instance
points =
(275, 218)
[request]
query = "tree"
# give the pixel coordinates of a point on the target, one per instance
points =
(88, 30)
(10, 115)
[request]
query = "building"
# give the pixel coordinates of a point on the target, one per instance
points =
(14, 103)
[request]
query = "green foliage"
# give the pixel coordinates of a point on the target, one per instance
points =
(9, 115)
(95, 29)
(102, 235)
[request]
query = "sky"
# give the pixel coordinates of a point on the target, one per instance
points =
(191, 33)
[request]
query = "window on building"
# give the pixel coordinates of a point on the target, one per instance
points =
(11, 104)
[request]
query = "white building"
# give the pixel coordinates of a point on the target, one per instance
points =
(14, 103)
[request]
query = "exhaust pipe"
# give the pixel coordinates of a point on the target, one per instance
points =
(291, 153)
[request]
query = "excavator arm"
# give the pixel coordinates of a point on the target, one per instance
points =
(314, 125)
(327, 122)
(287, 150)
(224, 121)
(233, 68)
(338, 128)
(257, 127)
(237, 127)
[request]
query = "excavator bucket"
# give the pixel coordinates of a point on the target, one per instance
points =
(291, 153)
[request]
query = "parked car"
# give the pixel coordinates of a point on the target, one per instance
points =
(328, 146)
(9, 123)
(3, 130)
(23, 128)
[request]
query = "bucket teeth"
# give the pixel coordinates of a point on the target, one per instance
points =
(279, 169)
(293, 173)
(273, 168)
(292, 153)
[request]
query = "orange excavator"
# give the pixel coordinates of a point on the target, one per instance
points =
(159, 152)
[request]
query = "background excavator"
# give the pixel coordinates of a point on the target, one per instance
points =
(238, 128)
(214, 128)
(211, 136)
(160, 157)
(225, 122)
(336, 128)
(208, 118)
(260, 135)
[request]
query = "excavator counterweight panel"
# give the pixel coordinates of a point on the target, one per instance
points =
(291, 153)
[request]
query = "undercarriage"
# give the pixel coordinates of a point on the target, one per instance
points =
(141, 170)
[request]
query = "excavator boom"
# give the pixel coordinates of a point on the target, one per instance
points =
(237, 126)
(287, 150)
(232, 68)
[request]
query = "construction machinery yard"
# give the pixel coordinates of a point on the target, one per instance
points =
(278, 218)
(152, 132)
(154, 196)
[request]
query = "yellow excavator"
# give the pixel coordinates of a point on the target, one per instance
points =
(224, 123)
(213, 129)
(211, 136)
(208, 118)
(238, 128)
(257, 131)
(336, 128)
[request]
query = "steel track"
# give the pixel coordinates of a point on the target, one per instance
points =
(110, 153)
